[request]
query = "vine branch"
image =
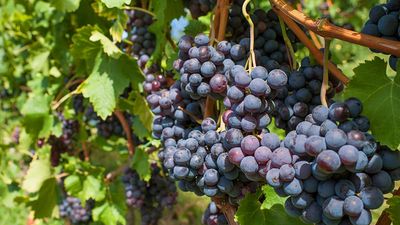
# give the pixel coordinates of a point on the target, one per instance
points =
(313, 50)
(127, 130)
(329, 30)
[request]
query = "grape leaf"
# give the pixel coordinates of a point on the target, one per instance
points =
(195, 27)
(108, 214)
(108, 80)
(271, 198)
(381, 100)
(139, 129)
(141, 165)
(394, 209)
(84, 49)
(144, 113)
(115, 3)
(39, 171)
(37, 120)
(108, 46)
(249, 211)
(92, 188)
(45, 203)
(160, 27)
(72, 184)
(66, 5)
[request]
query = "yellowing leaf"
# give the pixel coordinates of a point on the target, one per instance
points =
(108, 46)
(38, 172)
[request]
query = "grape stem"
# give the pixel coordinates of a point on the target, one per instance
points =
(195, 118)
(311, 47)
(127, 130)
(384, 218)
(252, 57)
(228, 210)
(325, 81)
(289, 46)
(139, 9)
(332, 31)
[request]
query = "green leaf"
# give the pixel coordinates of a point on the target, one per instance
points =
(92, 188)
(381, 100)
(108, 214)
(72, 184)
(139, 129)
(141, 165)
(164, 16)
(394, 209)
(83, 48)
(39, 61)
(195, 27)
(108, 46)
(39, 171)
(249, 211)
(45, 204)
(144, 113)
(108, 80)
(115, 3)
(66, 5)
(118, 26)
(271, 198)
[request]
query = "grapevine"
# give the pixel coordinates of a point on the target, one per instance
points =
(213, 112)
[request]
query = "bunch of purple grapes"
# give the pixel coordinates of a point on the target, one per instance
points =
(202, 67)
(333, 175)
(213, 216)
(248, 98)
(175, 112)
(384, 22)
(270, 49)
(65, 142)
(143, 40)
(200, 163)
(71, 208)
(152, 196)
(199, 8)
(302, 93)
(154, 79)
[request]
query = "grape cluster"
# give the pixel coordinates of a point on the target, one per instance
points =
(333, 174)
(384, 22)
(143, 40)
(152, 196)
(213, 216)
(199, 8)
(71, 208)
(200, 163)
(175, 112)
(248, 98)
(64, 143)
(202, 67)
(154, 79)
(302, 93)
(270, 49)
